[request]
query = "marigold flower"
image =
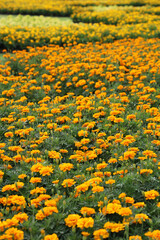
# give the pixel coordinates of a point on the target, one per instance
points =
(87, 210)
(100, 234)
(85, 222)
(68, 183)
(125, 211)
(137, 237)
(72, 219)
(141, 217)
(46, 170)
(155, 235)
(114, 227)
(150, 195)
(110, 181)
(14, 232)
(35, 180)
(97, 189)
(51, 237)
(65, 166)
(1, 174)
(46, 211)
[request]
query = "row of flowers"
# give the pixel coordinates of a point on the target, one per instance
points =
(20, 38)
(63, 8)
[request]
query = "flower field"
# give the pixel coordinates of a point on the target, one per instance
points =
(80, 125)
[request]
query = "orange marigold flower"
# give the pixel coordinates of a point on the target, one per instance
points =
(146, 171)
(8, 134)
(137, 237)
(35, 180)
(139, 218)
(100, 234)
(111, 208)
(14, 233)
(68, 183)
(152, 194)
(22, 176)
(129, 155)
(85, 222)
(46, 211)
(38, 190)
(71, 220)
(110, 181)
(139, 204)
(85, 234)
(102, 165)
(46, 170)
(87, 210)
(54, 154)
(125, 211)
(114, 227)
(155, 235)
(97, 189)
(1, 174)
(51, 237)
(149, 153)
(65, 166)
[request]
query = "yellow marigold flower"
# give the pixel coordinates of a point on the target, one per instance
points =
(38, 190)
(45, 212)
(125, 211)
(51, 237)
(100, 234)
(68, 183)
(51, 203)
(46, 170)
(111, 208)
(36, 167)
(101, 165)
(82, 187)
(85, 222)
(85, 234)
(1, 174)
(8, 134)
(97, 189)
(137, 237)
(55, 181)
(35, 180)
(149, 153)
(82, 133)
(13, 187)
(139, 218)
(72, 219)
(129, 155)
(155, 235)
(131, 116)
(87, 210)
(122, 195)
(129, 200)
(65, 166)
(2, 145)
(146, 171)
(139, 204)
(20, 217)
(54, 154)
(110, 181)
(112, 160)
(63, 151)
(14, 233)
(152, 194)
(114, 227)
(22, 176)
